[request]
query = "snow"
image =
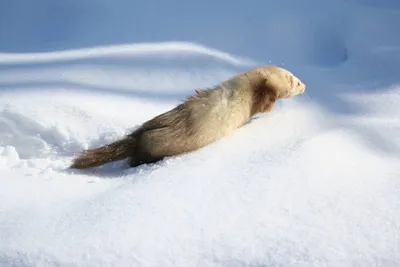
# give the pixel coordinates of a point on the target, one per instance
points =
(313, 183)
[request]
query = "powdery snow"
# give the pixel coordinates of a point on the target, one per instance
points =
(313, 183)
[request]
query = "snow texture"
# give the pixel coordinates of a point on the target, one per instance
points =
(316, 182)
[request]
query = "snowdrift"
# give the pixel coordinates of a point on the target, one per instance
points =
(313, 183)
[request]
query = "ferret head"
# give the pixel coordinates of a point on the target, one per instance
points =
(284, 83)
(270, 83)
(296, 86)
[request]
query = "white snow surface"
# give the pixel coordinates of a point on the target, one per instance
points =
(315, 182)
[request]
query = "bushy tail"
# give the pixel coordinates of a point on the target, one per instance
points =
(112, 152)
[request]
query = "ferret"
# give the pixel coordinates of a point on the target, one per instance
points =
(201, 119)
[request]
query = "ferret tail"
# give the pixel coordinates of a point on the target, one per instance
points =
(115, 151)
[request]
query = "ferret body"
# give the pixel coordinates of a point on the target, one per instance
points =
(200, 120)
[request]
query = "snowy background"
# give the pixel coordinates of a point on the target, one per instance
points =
(316, 182)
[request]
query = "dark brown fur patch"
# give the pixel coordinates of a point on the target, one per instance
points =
(264, 97)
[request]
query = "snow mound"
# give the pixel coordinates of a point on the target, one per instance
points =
(312, 183)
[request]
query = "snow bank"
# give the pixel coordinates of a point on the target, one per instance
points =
(313, 183)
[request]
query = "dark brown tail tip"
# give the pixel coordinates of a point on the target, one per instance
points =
(86, 159)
